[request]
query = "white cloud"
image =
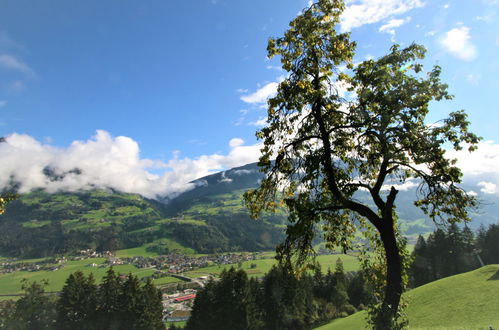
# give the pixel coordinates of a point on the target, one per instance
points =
(236, 142)
(487, 18)
(458, 43)
(262, 94)
(260, 122)
(430, 33)
(409, 184)
(489, 188)
(12, 63)
(390, 26)
(480, 166)
(3, 103)
(274, 67)
(225, 178)
(360, 12)
(109, 162)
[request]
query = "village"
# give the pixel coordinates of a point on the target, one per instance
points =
(177, 297)
(174, 263)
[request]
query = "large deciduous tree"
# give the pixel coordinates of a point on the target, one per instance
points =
(336, 129)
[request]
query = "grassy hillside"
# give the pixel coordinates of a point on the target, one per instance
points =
(464, 301)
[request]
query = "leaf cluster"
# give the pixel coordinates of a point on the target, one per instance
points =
(335, 129)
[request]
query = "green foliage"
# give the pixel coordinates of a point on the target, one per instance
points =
(77, 304)
(115, 304)
(109, 305)
(453, 251)
(487, 244)
(6, 198)
(281, 300)
(329, 145)
(34, 311)
(226, 304)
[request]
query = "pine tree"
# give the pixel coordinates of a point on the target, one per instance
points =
(130, 302)
(108, 312)
(151, 316)
(33, 311)
(77, 305)
(488, 243)
(357, 291)
(420, 268)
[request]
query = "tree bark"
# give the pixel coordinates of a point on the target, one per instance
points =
(394, 288)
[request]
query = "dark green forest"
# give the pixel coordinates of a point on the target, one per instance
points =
(280, 300)
(117, 303)
(453, 251)
(283, 300)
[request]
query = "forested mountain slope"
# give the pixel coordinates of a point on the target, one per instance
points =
(210, 217)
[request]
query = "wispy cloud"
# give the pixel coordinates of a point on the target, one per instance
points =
(390, 26)
(3, 103)
(16, 86)
(458, 43)
(11, 63)
(262, 121)
(361, 12)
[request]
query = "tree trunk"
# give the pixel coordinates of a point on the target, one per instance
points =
(394, 286)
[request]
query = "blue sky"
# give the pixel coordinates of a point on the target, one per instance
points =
(165, 91)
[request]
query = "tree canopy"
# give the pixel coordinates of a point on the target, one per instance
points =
(336, 129)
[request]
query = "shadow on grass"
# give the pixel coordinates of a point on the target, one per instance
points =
(494, 277)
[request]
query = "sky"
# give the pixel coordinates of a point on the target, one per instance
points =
(145, 96)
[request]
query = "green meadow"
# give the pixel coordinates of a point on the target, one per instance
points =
(11, 283)
(350, 263)
(464, 301)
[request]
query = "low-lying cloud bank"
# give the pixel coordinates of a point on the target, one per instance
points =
(107, 162)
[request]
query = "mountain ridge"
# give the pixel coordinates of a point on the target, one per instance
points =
(210, 217)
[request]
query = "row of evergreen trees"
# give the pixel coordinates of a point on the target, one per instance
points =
(453, 251)
(115, 304)
(280, 300)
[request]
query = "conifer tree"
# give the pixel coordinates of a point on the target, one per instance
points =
(108, 312)
(151, 316)
(33, 311)
(77, 304)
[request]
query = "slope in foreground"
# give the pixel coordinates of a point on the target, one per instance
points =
(464, 301)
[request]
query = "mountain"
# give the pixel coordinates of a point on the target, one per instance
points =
(209, 218)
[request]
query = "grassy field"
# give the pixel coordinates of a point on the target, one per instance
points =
(350, 263)
(464, 301)
(142, 250)
(11, 283)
